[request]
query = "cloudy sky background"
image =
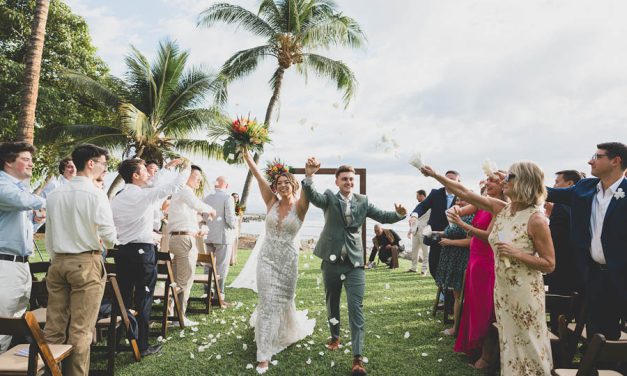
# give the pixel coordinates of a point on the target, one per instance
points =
(458, 81)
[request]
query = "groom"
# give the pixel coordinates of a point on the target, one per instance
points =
(341, 251)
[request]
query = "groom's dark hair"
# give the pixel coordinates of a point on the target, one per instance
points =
(615, 149)
(344, 168)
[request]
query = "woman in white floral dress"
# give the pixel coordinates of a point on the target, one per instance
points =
(521, 240)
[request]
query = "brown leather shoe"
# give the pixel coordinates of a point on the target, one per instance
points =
(358, 366)
(333, 344)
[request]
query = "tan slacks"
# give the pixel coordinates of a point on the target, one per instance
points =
(185, 251)
(75, 285)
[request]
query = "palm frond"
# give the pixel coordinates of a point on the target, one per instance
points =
(200, 147)
(92, 87)
(167, 71)
(269, 11)
(334, 70)
(185, 121)
(245, 61)
(332, 30)
(134, 122)
(233, 14)
(140, 80)
(106, 136)
(191, 90)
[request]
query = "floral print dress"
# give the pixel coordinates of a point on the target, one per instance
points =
(519, 300)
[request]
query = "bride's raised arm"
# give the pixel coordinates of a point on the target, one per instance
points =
(302, 205)
(266, 192)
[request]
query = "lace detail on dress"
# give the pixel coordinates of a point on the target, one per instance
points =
(276, 321)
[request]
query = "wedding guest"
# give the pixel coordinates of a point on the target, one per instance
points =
(453, 261)
(386, 242)
(478, 313)
(67, 171)
(439, 200)
(219, 240)
(16, 230)
(183, 228)
(79, 218)
(419, 250)
(565, 279)
(599, 237)
(136, 260)
(521, 239)
(239, 214)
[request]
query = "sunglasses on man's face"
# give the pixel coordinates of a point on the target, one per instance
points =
(509, 177)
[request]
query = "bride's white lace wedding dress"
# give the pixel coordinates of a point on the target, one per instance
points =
(277, 323)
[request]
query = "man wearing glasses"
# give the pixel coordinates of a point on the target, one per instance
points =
(599, 237)
(79, 222)
(16, 229)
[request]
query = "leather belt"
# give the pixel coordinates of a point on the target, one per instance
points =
(13, 258)
(182, 233)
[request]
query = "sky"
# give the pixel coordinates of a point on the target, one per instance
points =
(457, 81)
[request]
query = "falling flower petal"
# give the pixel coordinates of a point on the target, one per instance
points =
(333, 321)
(140, 251)
(332, 257)
(406, 335)
(342, 277)
(424, 354)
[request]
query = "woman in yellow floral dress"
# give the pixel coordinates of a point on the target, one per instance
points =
(521, 240)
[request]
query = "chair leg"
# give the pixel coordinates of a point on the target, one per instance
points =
(178, 307)
(166, 309)
(112, 344)
(214, 276)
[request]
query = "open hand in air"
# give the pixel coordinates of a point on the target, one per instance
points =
(400, 209)
(312, 166)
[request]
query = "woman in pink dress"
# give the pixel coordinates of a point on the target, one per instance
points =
(478, 309)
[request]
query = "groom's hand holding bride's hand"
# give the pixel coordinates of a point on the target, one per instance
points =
(312, 166)
(400, 209)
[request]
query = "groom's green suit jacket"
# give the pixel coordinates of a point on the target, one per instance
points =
(336, 232)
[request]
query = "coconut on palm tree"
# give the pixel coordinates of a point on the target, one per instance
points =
(157, 108)
(294, 30)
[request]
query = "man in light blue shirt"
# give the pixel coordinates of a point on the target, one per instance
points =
(16, 229)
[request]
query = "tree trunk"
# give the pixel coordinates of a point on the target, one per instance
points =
(26, 124)
(271, 104)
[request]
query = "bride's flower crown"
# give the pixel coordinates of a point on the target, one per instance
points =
(275, 169)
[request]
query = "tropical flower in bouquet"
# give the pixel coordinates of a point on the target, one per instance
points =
(274, 169)
(240, 134)
(239, 209)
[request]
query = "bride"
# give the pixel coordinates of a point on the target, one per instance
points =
(277, 323)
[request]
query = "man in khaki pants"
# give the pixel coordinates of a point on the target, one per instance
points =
(184, 231)
(79, 219)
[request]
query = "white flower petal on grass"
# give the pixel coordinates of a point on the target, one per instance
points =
(306, 265)
(333, 321)
(298, 345)
(157, 301)
(346, 351)
(378, 336)
(441, 338)
(159, 339)
(387, 286)
(333, 257)
(194, 340)
(218, 356)
(332, 364)
(308, 361)
(406, 335)
(274, 362)
(321, 353)
(311, 342)
(365, 360)
(440, 360)
(191, 355)
(238, 337)
(424, 354)
(244, 346)
(249, 366)
(311, 257)
(194, 328)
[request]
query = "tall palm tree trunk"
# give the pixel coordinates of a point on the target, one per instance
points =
(269, 110)
(26, 125)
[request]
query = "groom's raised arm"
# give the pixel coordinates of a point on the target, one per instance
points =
(383, 216)
(317, 199)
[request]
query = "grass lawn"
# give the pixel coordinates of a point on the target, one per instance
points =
(396, 303)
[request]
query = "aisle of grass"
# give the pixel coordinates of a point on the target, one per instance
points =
(396, 303)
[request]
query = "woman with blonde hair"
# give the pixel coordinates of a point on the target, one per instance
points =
(521, 240)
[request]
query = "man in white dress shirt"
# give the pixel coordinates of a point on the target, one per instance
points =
(416, 225)
(183, 229)
(133, 215)
(220, 237)
(79, 222)
(67, 171)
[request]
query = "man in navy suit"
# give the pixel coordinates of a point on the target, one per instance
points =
(439, 200)
(599, 237)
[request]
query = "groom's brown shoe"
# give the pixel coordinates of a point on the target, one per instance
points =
(358, 366)
(333, 344)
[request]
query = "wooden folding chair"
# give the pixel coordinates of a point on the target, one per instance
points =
(599, 351)
(166, 275)
(446, 307)
(208, 280)
(41, 356)
(560, 307)
(112, 324)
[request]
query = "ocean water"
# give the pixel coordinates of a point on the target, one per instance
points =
(314, 222)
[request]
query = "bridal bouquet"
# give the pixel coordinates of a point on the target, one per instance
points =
(239, 209)
(239, 134)
(274, 169)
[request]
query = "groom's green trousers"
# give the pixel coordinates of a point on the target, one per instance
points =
(354, 281)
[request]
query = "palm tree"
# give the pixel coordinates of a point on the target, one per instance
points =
(30, 89)
(293, 29)
(156, 108)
